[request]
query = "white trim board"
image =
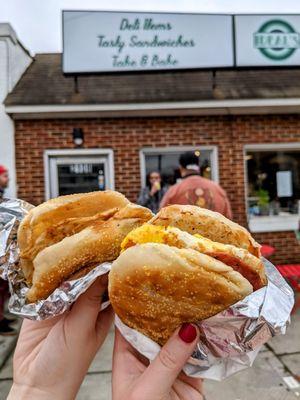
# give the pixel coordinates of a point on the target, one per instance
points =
(272, 146)
(206, 107)
(274, 223)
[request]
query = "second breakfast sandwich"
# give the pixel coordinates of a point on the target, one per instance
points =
(165, 276)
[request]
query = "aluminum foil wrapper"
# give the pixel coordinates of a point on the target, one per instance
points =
(228, 343)
(11, 213)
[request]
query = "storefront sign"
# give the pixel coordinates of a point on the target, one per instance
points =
(119, 41)
(99, 41)
(267, 40)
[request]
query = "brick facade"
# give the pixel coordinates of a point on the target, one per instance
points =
(127, 136)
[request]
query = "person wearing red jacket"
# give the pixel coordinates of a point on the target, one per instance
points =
(195, 189)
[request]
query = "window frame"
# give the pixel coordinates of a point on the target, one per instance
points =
(48, 154)
(174, 149)
(271, 223)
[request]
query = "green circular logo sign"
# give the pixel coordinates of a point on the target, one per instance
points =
(277, 40)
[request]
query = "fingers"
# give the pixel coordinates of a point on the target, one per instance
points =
(180, 388)
(86, 309)
(125, 356)
(104, 321)
(162, 372)
(47, 324)
(33, 332)
(195, 383)
(123, 347)
(126, 367)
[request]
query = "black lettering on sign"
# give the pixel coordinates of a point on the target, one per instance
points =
(117, 43)
(129, 26)
(123, 62)
(150, 25)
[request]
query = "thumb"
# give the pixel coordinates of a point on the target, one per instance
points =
(87, 307)
(163, 371)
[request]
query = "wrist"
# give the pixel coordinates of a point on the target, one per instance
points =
(24, 392)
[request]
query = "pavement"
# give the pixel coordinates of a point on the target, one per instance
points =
(274, 375)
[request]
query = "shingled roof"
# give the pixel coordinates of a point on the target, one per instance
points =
(44, 83)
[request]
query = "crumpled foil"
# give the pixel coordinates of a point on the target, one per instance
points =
(230, 340)
(228, 343)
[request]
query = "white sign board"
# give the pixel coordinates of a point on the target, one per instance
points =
(99, 41)
(284, 183)
(267, 40)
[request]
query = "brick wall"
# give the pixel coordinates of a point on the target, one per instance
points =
(127, 136)
(286, 245)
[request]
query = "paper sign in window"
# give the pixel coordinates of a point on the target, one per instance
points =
(284, 183)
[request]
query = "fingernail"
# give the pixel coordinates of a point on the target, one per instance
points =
(187, 333)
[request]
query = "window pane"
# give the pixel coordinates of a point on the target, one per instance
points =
(273, 182)
(167, 164)
(80, 178)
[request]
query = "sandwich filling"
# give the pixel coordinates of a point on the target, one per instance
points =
(249, 266)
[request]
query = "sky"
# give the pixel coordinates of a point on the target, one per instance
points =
(38, 22)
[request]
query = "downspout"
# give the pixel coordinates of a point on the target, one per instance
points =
(4, 39)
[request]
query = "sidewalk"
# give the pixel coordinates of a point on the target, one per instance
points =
(266, 380)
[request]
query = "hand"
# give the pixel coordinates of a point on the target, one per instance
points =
(161, 380)
(53, 356)
(154, 188)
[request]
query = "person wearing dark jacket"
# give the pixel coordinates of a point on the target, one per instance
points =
(5, 328)
(152, 194)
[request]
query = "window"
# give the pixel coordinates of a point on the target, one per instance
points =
(166, 161)
(80, 175)
(78, 171)
(273, 187)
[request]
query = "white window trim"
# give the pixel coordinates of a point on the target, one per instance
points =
(272, 223)
(172, 149)
(273, 146)
(77, 152)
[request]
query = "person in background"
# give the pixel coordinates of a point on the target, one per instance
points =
(196, 190)
(4, 179)
(5, 328)
(151, 195)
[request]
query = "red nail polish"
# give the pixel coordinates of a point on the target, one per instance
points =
(187, 333)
